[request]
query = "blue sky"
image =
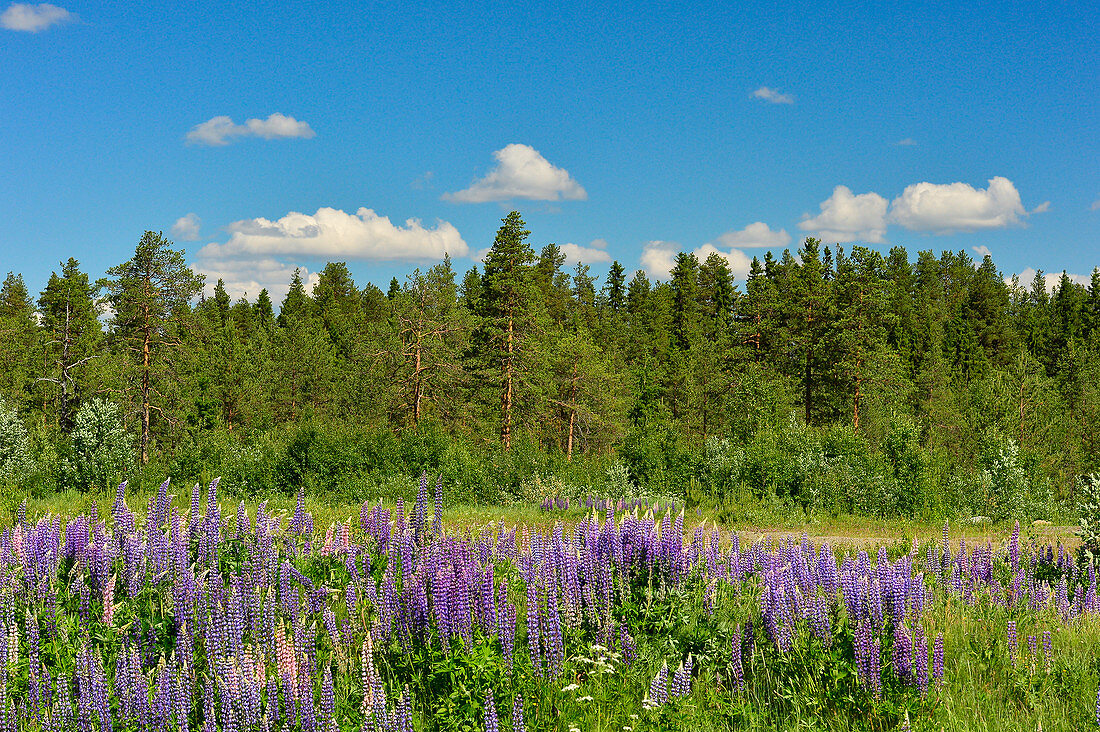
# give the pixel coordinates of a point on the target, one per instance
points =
(290, 134)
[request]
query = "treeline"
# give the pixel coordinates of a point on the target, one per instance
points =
(838, 351)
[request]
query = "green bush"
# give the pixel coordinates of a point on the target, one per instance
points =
(99, 453)
(1088, 511)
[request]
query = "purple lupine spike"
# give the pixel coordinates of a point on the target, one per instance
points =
(490, 712)
(518, 723)
(658, 688)
(1047, 647)
(403, 713)
(629, 647)
(736, 665)
(438, 518)
(1012, 642)
(328, 703)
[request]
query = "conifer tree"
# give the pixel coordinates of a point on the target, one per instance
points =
(72, 331)
(150, 295)
(506, 301)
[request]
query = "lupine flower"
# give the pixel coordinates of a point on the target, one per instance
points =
(518, 723)
(490, 712)
(1012, 646)
(658, 688)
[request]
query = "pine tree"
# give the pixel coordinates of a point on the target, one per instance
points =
(150, 295)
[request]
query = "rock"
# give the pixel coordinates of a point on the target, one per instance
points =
(1042, 522)
(980, 520)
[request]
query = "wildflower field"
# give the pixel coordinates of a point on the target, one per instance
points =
(616, 618)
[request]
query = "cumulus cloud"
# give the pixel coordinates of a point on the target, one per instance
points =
(951, 207)
(907, 142)
(186, 227)
(334, 233)
(773, 96)
(846, 217)
(521, 172)
(246, 277)
(756, 234)
(576, 254)
(659, 257)
(982, 251)
(739, 262)
(222, 130)
(33, 18)
(1050, 278)
(1041, 208)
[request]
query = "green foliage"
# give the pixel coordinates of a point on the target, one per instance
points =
(1088, 511)
(99, 454)
(15, 457)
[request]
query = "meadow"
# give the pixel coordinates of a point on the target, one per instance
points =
(170, 610)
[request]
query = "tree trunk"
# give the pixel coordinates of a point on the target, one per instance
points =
(855, 405)
(572, 415)
(506, 396)
(145, 369)
(417, 388)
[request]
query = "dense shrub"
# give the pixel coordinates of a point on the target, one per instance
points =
(99, 454)
(15, 455)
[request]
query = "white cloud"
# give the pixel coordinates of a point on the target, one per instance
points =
(222, 130)
(334, 233)
(739, 262)
(659, 257)
(952, 207)
(574, 254)
(756, 234)
(1041, 208)
(33, 18)
(246, 277)
(1095, 205)
(186, 227)
(598, 243)
(773, 96)
(907, 142)
(982, 251)
(521, 172)
(1050, 278)
(846, 217)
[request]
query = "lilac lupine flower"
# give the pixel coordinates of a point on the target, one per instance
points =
(328, 703)
(490, 712)
(681, 682)
(658, 688)
(439, 506)
(937, 659)
(403, 713)
(1047, 647)
(920, 658)
(1012, 645)
(627, 644)
(518, 723)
